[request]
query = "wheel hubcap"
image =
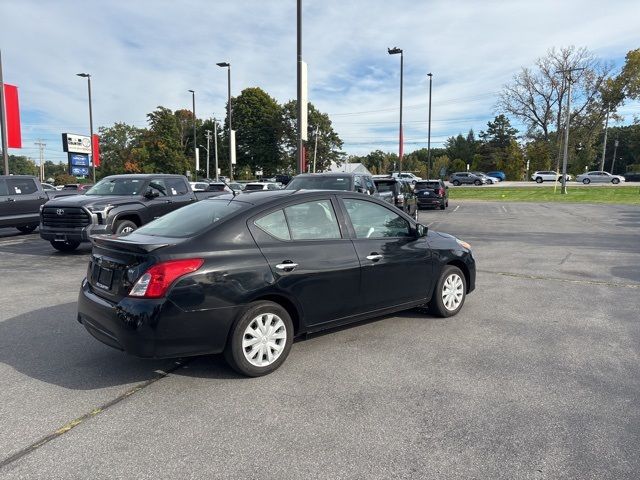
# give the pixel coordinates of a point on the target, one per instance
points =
(452, 292)
(264, 339)
(127, 230)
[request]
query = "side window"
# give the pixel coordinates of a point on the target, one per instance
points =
(357, 183)
(21, 186)
(371, 220)
(312, 220)
(275, 225)
(176, 186)
(371, 188)
(158, 185)
(3, 188)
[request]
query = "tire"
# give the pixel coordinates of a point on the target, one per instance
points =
(67, 246)
(27, 228)
(124, 227)
(257, 314)
(539, 180)
(446, 205)
(615, 181)
(477, 183)
(451, 279)
(456, 183)
(442, 206)
(586, 181)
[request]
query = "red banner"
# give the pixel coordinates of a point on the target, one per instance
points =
(14, 136)
(95, 154)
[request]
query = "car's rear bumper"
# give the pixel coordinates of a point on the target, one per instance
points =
(431, 201)
(154, 328)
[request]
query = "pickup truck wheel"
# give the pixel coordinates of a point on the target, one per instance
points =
(125, 226)
(67, 246)
(27, 228)
(260, 340)
(449, 294)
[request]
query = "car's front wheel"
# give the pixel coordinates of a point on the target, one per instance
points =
(67, 246)
(615, 181)
(261, 340)
(125, 226)
(477, 182)
(450, 292)
(27, 228)
(456, 183)
(539, 180)
(586, 181)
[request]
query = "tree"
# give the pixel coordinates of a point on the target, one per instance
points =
(499, 133)
(64, 179)
(329, 142)
(20, 165)
(119, 149)
(257, 120)
(162, 150)
(461, 147)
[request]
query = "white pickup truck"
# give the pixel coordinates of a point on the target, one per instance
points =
(406, 177)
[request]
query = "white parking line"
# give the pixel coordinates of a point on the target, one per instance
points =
(504, 208)
(457, 207)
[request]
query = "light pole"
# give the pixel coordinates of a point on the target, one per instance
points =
(3, 123)
(208, 137)
(299, 90)
(215, 146)
(195, 144)
(615, 151)
(315, 149)
(227, 65)
(604, 143)
(566, 127)
(88, 77)
(207, 150)
(430, 75)
(395, 51)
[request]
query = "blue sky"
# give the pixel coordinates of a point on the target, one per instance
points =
(142, 54)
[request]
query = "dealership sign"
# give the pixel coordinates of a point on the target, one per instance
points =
(72, 143)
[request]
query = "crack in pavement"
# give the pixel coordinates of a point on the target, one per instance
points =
(93, 413)
(566, 280)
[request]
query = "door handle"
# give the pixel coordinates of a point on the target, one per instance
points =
(168, 201)
(287, 266)
(374, 257)
(11, 199)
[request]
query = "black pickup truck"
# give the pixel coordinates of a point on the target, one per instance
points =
(116, 204)
(21, 197)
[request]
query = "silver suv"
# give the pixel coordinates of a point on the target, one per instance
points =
(459, 178)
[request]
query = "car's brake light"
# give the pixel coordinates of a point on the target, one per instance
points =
(156, 281)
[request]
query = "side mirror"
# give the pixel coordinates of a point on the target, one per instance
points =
(421, 230)
(150, 194)
(360, 190)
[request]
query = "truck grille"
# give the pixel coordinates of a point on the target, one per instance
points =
(66, 217)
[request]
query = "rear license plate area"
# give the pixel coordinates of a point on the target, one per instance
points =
(104, 278)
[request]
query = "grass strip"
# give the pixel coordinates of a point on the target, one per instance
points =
(575, 194)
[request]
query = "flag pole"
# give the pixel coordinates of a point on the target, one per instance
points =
(3, 122)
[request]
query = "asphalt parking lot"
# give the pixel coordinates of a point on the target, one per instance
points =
(537, 377)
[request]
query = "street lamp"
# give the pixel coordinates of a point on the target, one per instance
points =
(430, 75)
(88, 77)
(395, 51)
(227, 65)
(195, 145)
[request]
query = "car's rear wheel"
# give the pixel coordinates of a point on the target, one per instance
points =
(615, 181)
(477, 182)
(27, 228)
(261, 340)
(456, 183)
(67, 246)
(586, 181)
(539, 180)
(450, 292)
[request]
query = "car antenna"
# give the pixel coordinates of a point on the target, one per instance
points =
(232, 190)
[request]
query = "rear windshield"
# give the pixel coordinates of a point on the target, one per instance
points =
(216, 187)
(117, 186)
(385, 186)
(254, 186)
(320, 183)
(192, 219)
(432, 185)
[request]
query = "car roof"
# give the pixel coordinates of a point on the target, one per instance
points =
(147, 175)
(263, 197)
(329, 174)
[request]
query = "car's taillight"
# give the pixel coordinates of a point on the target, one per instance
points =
(156, 281)
(441, 192)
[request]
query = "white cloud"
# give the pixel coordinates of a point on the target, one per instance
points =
(142, 54)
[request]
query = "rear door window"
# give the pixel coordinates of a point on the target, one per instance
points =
(158, 185)
(275, 224)
(312, 220)
(21, 186)
(176, 186)
(3, 188)
(371, 220)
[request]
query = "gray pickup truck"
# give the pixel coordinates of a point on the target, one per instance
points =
(21, 197)
(116, 204)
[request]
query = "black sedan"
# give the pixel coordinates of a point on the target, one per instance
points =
(245, 274)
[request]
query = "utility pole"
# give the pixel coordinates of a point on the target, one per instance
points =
(615, 151)
(604, 144)
(208, 137)
(41, 146)
(430, 75)
(215, 146)
(566, 130)
(300, 145)
(195, 144)
(315, 150)
(3, 123)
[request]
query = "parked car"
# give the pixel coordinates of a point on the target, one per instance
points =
(300, 262)
(499, 174)
(116, 204)
(406, 177)
(47, 187)
(257, 186)
(399, 194)
(489, 180)
(199, 186)
(632, 177)
(549, 176)
(354, 182)
(460, 178)
(432, 193)
(21, 197)
(79, 188)
(599, 177)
